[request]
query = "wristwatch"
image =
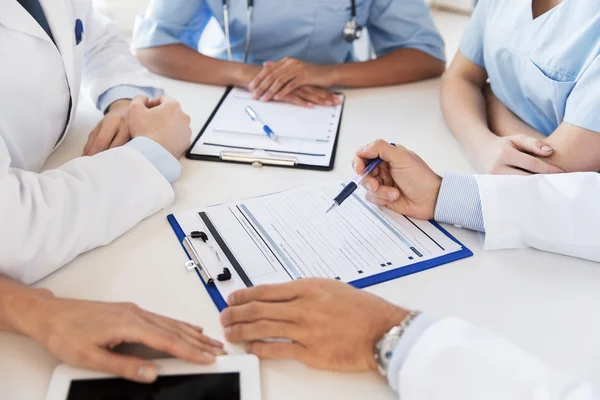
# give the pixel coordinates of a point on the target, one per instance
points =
(385, 347)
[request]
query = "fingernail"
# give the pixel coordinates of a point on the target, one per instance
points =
(353, 166)
(208, 356)
(251, 85)
(360, 149)
(368, 185)
(216, 343)
(227, 332)
(392, 195)
(147, 373)
(277, 97)
(546, 148)
(248, 348)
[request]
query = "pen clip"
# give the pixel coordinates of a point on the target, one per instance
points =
(195, 262)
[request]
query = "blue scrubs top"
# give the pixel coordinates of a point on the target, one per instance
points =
(545, 70)
(309, 30)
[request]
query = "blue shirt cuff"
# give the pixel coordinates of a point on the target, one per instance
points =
(124, 92)
(164, 161)
(410, 337)
(459, 202)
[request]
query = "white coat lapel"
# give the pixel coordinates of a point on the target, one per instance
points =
(14, 16)
(62, 25)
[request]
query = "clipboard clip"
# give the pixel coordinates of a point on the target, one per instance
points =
(258, 158)
(195, 262)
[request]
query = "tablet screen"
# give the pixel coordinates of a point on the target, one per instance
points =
(218, 386)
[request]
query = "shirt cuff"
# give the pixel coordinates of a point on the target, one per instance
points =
(459, 202)
(410, 337)
(164, 161)
(124, 92)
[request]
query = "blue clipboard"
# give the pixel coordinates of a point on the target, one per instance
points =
(212, 290)
(361, 283)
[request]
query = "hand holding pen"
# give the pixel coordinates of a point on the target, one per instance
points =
(369, 168)
(401, 181)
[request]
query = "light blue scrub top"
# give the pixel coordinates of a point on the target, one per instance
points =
(309, 30)
(545, 70)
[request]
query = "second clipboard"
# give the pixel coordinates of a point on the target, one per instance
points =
(320, 125)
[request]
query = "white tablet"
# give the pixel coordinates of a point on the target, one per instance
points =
(229, 378)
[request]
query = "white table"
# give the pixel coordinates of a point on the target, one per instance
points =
(545, 303)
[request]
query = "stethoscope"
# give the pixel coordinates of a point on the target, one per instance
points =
(352, 29)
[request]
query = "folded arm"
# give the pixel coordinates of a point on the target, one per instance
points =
(576, 149)
(51, 217)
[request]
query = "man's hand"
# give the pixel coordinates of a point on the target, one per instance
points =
(112, 131)
(161, 120)
(277, 80)
(331, 325)
(403, 182)
(81, 333)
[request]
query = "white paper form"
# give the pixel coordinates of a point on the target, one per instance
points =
(308, 134)
(287, 236)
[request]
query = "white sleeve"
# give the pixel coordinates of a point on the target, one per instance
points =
(556, 213)
(51, 217)
(454, 360)
(109, 62)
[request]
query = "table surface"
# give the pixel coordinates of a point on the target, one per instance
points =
(542, 302)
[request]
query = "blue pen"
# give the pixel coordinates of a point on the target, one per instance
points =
(352, 186)
(268, 131)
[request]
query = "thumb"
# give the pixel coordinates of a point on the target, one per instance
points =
(131, 368)
(380, 148)
(532, 145)
(139, 101)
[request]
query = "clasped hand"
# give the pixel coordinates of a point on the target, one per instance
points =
(294, 81)
(160, 119)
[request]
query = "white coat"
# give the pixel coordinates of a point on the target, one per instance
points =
(556, 213)
(46, 219)
(454, 360)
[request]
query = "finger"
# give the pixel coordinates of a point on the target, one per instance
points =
(386, 175)
(185, 330)
(122, 137)
(297, 101)
(385, 193)
(277, 350)
(109, 129)
(261, 330)
(254, 311)
(262, 88)
(314, 97)
(140, 101)
(376, 200)
(276, 86)
(128, 367)
(158, 339)
(371, 183)
(532, 164)
(92, 139)
(532, 145)
(267, 68)
(281, 292)
(324, 94)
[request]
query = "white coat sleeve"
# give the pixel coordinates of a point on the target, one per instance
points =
(51, 217)
(556, 213)
(109, 62)
(454, 360)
